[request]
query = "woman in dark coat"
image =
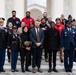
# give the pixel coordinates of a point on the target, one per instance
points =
(53, 46)
(25, 50)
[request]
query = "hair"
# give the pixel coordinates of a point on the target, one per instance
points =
(23, 28)
(37, 20)
(28, 12)
(13, 11)
(57, 19)
(42, 19)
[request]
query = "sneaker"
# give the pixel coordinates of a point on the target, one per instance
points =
(39, 70)
(33, 70)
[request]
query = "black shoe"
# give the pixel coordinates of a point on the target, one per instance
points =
(50, 70)
(2, 70)
(69, 70)
(55, 70)
(12, 70)
(28, 70)
(23, 70)
(66, 70)
(61, 61)
(16, 71)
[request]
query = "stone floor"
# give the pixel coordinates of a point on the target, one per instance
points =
(44, 67)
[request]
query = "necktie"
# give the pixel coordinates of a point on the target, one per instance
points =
(38, 36)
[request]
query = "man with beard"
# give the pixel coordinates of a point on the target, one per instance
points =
(45, 16)
(14, 20)
(44, 27)
(29, 21)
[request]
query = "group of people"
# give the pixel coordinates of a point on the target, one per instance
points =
(30, 37)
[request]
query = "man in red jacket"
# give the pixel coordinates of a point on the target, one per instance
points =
(29, 21)
(59, 26)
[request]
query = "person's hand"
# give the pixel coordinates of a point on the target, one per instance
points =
(43, 28)
(75, 49)
(10, 51)
(38, 44)
(28, 48)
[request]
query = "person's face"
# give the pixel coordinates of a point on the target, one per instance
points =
(27, 14)
(58, 22)
(62, 16)
(37, 24)
(39, 18)
(44, 14)
(43, 21)
(14, 14)
(52, 25)
(49, 19)
(70, 18)
(22, 24)
(25, 29)
(14, 30)
(10, 25)
(69, 25)
(1, 23)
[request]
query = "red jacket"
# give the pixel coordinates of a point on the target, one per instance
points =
(59, 28)
(28, 21)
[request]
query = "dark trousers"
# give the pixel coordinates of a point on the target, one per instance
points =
(2, 58)
(46, 53)
(8, 54)
(54, 58)
(75, 55)
(14, 57)
(68, 59)
(36, 60)
(23, 54)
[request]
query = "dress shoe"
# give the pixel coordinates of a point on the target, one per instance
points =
(2, 70)
(12, 70)
(28, 70)
(33, 70)
(55, 70)
(69, 70)
(61, 61)
(23, 70)
(16, 71)
(39, 70)
(66, 70)
(50, 70)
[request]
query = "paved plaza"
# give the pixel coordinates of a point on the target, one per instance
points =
(44, 67)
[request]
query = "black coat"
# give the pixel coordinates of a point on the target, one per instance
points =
(24, 37)
(13, 41)
(3, 38)
(45, 34)
(53, 39)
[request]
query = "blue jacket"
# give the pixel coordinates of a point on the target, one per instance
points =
(68, 39)
(33, 37)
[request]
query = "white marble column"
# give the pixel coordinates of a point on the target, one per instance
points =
(2, 8)
(56, 8)
(74, 8)
(19, 7)
(48, 7)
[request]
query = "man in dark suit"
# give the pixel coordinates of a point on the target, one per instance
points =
(53, 45)
(37, 37)
(3, 43)
(68, 44)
